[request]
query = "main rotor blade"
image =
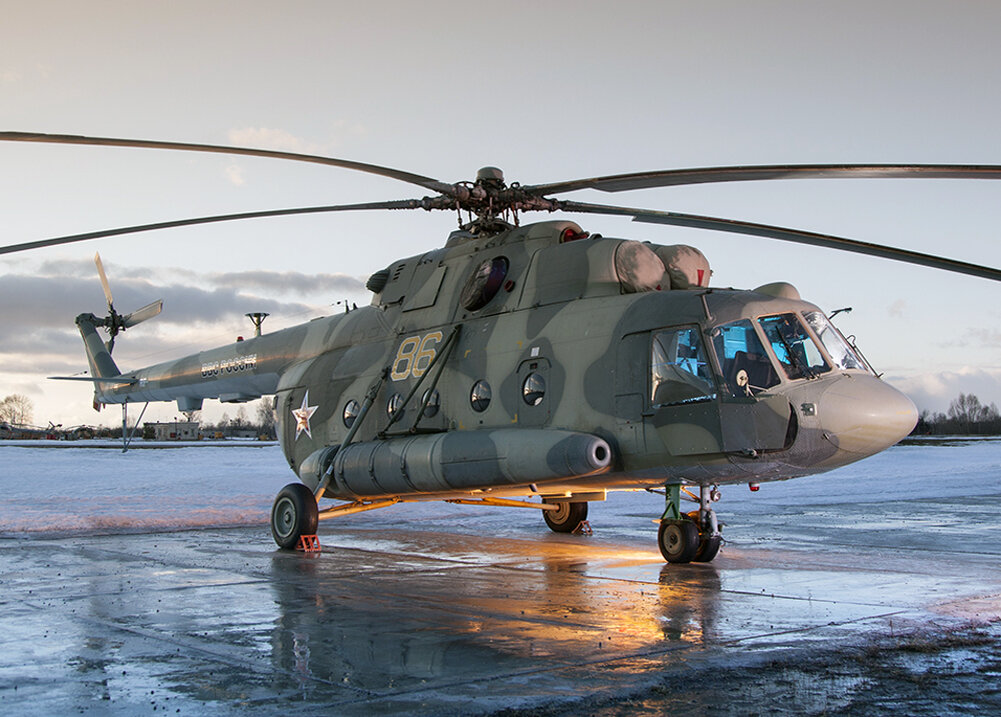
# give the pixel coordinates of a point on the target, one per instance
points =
(140, 315)
(793, 235)
(706, 175)
(398, 204)
(104, 279)
(426, 182)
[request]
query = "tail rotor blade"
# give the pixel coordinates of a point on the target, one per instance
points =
(140, 315)
(104, 280)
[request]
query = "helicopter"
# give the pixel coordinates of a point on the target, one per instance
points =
(538, 365)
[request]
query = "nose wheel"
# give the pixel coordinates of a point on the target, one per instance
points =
(678, 540)
(689, 537)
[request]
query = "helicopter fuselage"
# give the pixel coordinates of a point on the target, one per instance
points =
(542, 361)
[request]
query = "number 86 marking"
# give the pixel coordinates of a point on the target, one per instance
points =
(415, 355)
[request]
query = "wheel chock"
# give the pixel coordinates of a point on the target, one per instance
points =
(583, 529)
(309, 544)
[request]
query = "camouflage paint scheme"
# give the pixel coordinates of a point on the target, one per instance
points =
(578, 313)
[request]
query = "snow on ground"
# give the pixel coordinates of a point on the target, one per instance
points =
(84, 489)
(918, 470)
(92, 489)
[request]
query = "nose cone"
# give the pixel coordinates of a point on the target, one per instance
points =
(863, 415)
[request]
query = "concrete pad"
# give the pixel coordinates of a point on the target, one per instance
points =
(403, 620)
(441, 609)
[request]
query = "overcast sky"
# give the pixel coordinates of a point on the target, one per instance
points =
(547, 91)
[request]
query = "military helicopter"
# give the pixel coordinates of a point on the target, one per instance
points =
(541, 361)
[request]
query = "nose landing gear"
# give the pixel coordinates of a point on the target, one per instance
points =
(693, 536)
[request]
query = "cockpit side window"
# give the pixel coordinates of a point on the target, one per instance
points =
(678, 368)
(841, 352)
(799, 355)
(742, 358)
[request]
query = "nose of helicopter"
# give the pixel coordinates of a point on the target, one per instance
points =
(864, 415)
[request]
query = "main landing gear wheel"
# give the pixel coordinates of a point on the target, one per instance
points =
(293, 514)
(708, 549)
(678, 540)
(708, 544)
(566, 517)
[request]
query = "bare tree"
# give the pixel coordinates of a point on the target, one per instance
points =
(967, 415)
(265, 416)
(16, 408)
(192, 416)
(966, 410)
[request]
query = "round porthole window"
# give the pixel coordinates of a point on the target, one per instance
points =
(533, 390)
(479, 397)
(351, 411)
(433, 400)
(484, 283)
(394, 405)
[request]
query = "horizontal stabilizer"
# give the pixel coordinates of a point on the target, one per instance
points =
(117, 380)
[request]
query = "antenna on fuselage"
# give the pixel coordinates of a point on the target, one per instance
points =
(257, 318)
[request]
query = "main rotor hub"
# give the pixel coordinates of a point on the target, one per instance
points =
(493, 175)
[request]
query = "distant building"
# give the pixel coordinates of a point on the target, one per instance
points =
(175, 431)
(243, 433)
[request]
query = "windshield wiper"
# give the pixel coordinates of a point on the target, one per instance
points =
(804, 368)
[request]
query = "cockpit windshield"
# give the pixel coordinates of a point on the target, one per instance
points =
(745, 365)
(841, 352)
(799, 355)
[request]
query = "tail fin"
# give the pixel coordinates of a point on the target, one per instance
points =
(98, 356)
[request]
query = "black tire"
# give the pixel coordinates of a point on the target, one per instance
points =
(566, 517)
(678, 540)
(708, 548)
(293, 514)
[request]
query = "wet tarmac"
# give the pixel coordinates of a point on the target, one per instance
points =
(812, 607)
(854, 593)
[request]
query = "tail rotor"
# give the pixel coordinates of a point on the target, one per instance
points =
(115, 322)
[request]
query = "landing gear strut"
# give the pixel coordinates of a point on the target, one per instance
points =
(693, 536)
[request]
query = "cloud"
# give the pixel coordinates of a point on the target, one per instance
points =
(934, 391)
(59, 289)
(981, 337)
(201, 310)
(234, 173)
(29, 344)
(284, 141)
(9, 385)
(344, 128)
(277, 139)
(45, 364)
(52, 302)
(290, 282)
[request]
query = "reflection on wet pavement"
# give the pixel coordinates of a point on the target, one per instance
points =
(405, 619)
(441, 609)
